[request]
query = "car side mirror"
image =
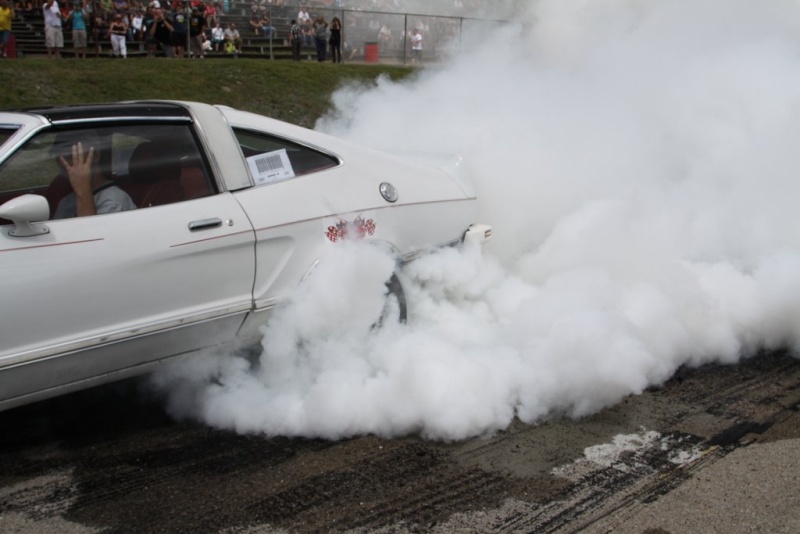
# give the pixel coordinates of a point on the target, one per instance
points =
(23, 211)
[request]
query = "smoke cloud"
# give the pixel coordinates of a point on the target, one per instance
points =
(636, 160)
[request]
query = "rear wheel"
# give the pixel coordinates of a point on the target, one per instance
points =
(394, 307)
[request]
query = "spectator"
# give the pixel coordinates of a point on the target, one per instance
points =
(266, 26)
(233, 39)
(53, 35)
(351, 52)
(217, 38)
(416, 46)
(6, 14)
(99, 26)
(77, 17)
(120, 6)
(161, 32)
(336, 40)
(180, 31)
(321, 37)
(65, 9)
(197, 30)
(261, 25)
(303, 16)
(255, 22)
(150, 42)
(135, 27)
(211, 14)
(308, 32)
(118, 31)
(295, 39)
(385, 38)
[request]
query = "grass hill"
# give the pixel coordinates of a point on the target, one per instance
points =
(293, 92)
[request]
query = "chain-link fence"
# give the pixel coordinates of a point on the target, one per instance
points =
(386, 37)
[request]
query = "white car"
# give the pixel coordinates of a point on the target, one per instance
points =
(232, 211)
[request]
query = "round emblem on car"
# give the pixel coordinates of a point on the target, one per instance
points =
(388, 192)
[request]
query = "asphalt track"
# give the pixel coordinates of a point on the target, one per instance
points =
(713, 450)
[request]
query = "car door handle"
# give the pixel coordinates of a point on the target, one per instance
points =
(205, 224)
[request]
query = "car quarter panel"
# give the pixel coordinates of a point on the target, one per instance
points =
(432, 208)
(426, 215)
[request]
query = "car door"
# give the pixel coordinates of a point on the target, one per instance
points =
(89, 296)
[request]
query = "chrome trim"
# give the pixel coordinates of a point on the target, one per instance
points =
(129, 118)
(122, 335)
(205, 224)
(56, 375)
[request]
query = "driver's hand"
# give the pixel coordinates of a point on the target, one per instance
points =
(79, 170)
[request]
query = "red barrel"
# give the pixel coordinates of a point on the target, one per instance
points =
(11, 47)
(371, 52)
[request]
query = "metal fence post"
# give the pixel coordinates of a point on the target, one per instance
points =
(405, 38)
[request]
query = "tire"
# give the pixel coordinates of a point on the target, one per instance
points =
(394, 293)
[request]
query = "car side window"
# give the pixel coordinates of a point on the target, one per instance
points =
(6, 133)
(273, 159)
(153, 164)
(160, 165)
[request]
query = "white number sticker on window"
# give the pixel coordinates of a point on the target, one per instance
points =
(271, 167)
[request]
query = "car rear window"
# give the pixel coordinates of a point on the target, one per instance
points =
(273, 159)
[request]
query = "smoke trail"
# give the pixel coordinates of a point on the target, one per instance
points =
(636, 161)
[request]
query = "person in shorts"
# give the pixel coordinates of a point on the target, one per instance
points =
(78, 18)
(6, 14)
(53, 34)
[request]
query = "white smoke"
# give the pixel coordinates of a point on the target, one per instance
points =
(636, 159)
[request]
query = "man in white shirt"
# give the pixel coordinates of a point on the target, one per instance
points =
(416, 46)
(303, 16)
(233, 36)
(53, 35)
(92, 192)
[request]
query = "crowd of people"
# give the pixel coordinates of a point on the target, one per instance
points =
(193, 28)
(176, 28)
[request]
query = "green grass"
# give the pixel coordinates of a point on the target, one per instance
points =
(296, 92)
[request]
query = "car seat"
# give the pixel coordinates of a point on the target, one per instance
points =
(154, 175)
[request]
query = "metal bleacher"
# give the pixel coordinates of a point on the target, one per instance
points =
(28, 30)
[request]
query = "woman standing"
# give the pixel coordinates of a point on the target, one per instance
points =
(77, 16)
(336, 40)
(118, 31)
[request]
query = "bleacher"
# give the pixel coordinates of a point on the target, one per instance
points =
(28, 29)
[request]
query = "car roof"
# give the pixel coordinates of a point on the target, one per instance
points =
(68, 113)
